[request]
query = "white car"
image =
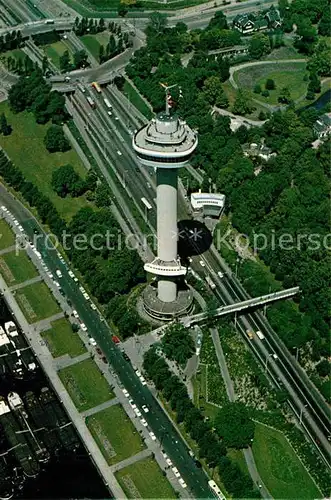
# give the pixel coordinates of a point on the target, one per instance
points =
(137, 412)
(16, 222)
(58, 273)
(75, 313)
(56, 283)
(86, 296)
(138, 373)
(83, 327)
(275, 356)
(125, 392)
(175, 471)
(153, 437)
(50, 275)
(3, 208)
(20, 228)
(202, 264)
(169, 462)
(143, 422)
(109, 113)
(116, 118)
(144, 407)
(182, 483)
(71, 274)
(93, 306)
(119, 152)
(82, 289)
(142, 380)
(220, 274)
(92, 341)
(133, 406)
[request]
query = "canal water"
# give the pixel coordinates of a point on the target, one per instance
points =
(69, 473)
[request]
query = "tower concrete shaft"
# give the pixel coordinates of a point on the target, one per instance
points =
(167, 234)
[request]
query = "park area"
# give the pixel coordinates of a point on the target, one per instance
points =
(54, 51)
(16, 267)
(94, 42)
(290, 75)
(280, 468)
(135, 98)
(26, 149)
(144, 479)
(61, 340)
(115, 434)
(86, 385)
(7, 237)
(36, 302)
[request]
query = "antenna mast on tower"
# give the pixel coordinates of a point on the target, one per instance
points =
(167, 94)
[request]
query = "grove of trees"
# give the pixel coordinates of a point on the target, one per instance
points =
(55, 140)
(177, 343)
(211, 447)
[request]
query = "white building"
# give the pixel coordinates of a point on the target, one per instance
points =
(209, 204)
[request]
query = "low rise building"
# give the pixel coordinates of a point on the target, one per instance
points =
(322, 126)
(208, 204)
(252, 22)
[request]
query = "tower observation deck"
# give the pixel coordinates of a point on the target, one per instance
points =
(166, 143)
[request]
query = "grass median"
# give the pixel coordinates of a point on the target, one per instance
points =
(16, 268)
(86, 384)
(280, 468)
(36, 302)
(144, 479)
(115, 434)
(7, 237)
(62, 340)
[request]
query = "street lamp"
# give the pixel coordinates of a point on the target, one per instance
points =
(301, 412)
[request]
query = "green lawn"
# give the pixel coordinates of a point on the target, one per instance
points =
(86, 384)
(16, 54)
(26, 149)
(16, 268)
(93, 42)
(54, 51)
(290, 75)
(62, 340)
(7, 237)
(36, 302)
(279, 467)
(115, 434)
(136, 99)
(144, 479)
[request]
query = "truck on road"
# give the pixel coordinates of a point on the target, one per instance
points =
(260, 335)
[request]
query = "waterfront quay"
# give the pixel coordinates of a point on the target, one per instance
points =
(45, 359)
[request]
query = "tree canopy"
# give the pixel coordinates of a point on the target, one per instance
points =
(234, 425)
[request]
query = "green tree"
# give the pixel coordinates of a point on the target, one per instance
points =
(234, 426)
(257, 89)
(177, 343)
(65, 63)
(242, 105)
(214, 92)
(55, 140)
(284, 96)
(65, 180)
(270, 84)
(80, 59)
(259, 46)
(323, 368)
(157, 22)
(101, 54)
(5, 129)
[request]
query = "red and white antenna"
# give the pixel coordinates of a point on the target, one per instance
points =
(169, 101)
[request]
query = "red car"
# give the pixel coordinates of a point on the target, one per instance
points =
(115, 339)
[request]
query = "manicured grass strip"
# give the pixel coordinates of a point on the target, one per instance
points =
(279, 466)
(7, 238)
(36, 302)
(16, 268)
(62, 340)
(54, 51)
(86, 384)
(115, 434)
(144, 479)
(26, 149)
(136, 100)
(93, 42)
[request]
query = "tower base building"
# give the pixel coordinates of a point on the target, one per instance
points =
(166, 143)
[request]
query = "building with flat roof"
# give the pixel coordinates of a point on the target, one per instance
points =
(209, 204)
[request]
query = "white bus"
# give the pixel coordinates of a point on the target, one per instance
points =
(146, 203)
(90, 101)
(215, 489)
(49, 21)
(107, 103)
(81, 88)
(260, 334)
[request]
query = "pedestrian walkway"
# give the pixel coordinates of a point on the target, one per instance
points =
(31, 281)
(102, 406)
(46, 324)
(8, 250)
(131, 460)
(66, 360)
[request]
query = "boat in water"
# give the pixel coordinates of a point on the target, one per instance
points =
(35, 443)
(17, 440)
(58, 419)
(6, 484)
(20, 358)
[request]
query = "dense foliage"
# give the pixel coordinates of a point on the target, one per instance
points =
(177, 343)
(83, 26)
(211, 448)
(55, 140)
(12, 40)
(234, 426)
